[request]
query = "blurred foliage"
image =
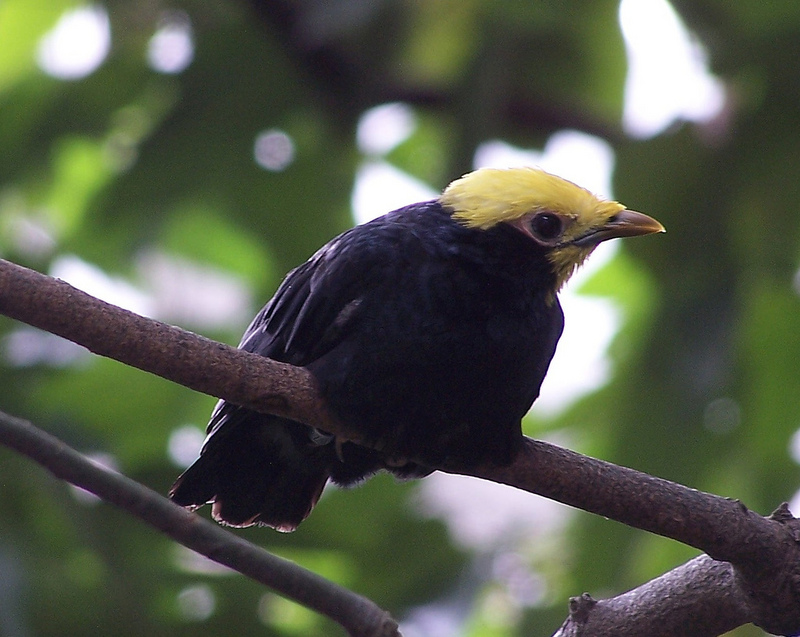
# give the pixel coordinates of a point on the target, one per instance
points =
(128, 162)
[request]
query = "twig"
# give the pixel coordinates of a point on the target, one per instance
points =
(357, 614)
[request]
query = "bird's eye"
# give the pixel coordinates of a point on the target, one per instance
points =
(547, 226)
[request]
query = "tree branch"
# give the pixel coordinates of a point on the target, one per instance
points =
(357, 614)
(164, 350)
(764, 552)
(698, 599)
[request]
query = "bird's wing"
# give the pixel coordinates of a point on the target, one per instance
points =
(317, 303)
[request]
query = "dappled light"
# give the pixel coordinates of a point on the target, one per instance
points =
(27, 231)
(486, 516)
(27, 346)
(382, 128)
(184, 445)
(77, 45)
(92, 279)
(584, 159)
(194, 294)
(171, 49)
(380, 187)
(192, 562)
(196, 603)
(668, 75)
(274, 150)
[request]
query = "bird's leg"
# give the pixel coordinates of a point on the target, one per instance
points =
(338, 442)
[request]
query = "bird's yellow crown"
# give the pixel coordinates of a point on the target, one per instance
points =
(488, 196)
(516, 196)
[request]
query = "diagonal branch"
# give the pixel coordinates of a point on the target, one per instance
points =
(358, 615)
(763, 551)
(164, 350)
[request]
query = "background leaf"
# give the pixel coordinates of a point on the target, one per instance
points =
(154, 186)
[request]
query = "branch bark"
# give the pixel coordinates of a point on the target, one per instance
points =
(698, 598)
(764, 553)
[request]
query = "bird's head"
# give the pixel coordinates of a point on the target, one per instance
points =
(565, 219)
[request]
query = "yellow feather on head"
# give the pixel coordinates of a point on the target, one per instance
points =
(488, 196)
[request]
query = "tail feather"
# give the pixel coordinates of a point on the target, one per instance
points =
(257, 469)
(261, 469)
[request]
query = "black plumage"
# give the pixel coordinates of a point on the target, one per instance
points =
(429, 331)
(429, 337)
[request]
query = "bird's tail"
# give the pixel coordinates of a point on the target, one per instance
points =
(257, 469)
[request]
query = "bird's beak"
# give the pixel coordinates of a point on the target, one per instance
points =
(625, 223)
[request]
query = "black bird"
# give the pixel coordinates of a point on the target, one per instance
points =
(429, 331)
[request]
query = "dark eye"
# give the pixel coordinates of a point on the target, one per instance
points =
(546, 226)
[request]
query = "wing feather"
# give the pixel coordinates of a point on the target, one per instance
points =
(314, 306)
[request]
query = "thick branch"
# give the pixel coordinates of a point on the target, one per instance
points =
(698, 599)
(721, 527)
(167, 351)
(763, 551)
(358, 615)
(702, 598)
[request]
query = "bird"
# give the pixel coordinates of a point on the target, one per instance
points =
(428, 331)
